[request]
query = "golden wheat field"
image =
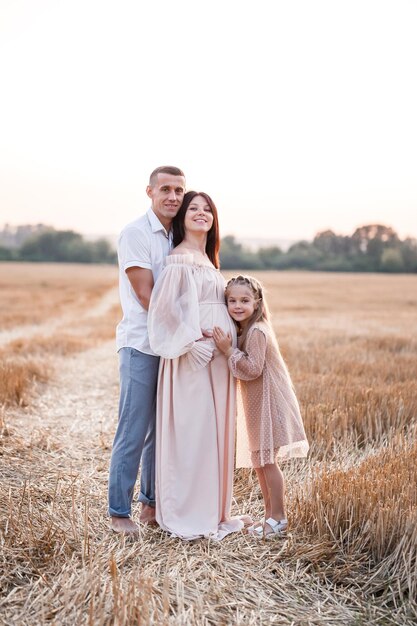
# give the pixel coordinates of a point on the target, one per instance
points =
(350, 341)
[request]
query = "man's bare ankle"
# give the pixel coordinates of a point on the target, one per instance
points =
(124, 525)
(147, 515)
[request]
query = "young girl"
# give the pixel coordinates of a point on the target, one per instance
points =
(274, 426)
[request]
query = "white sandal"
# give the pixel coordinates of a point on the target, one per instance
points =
(258, 524)
(278, 529)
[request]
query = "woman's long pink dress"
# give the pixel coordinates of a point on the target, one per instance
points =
(196, 409)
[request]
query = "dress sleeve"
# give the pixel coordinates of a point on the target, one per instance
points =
(249, 364)
(174, 316)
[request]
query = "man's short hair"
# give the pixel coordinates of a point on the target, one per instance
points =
(164, 169)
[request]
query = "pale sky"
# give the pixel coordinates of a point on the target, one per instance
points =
(295, 116)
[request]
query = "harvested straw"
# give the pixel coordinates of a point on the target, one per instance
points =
(350, 556)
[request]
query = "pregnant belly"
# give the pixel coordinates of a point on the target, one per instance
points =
(215, 314)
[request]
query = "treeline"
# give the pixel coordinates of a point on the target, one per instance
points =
(59, 246)
(371, 248)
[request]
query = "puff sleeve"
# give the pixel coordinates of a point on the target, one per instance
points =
(174, 317)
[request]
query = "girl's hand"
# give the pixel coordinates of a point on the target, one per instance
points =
(223, 341)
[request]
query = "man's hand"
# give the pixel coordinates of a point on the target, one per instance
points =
(223, 341)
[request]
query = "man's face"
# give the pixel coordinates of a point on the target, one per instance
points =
(167, 195)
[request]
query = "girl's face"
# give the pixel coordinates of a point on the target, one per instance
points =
(198, 217)
(241, 303)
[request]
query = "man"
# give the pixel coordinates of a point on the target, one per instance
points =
(142, 248)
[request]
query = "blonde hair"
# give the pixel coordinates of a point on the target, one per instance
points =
(261, 312)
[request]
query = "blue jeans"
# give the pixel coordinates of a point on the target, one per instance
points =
(135, 435)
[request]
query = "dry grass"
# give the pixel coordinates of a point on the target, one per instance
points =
(19, 372)
(17, 375)
(351, 558)
(83, 322)
(33, 293)
(370, 511)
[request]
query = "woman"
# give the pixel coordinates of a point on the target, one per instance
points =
(196, 392)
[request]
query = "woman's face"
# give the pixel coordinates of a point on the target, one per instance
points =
(198, 217)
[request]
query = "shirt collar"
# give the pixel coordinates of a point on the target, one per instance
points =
(156, 224)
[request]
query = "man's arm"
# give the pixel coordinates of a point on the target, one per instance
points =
(141, 280)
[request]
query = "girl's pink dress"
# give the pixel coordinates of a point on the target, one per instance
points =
(196, 406)
(270, 424)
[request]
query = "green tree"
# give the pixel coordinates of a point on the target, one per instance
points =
(409, 254)
(270, 257)
(392, 260)
(52, 245)
(369, 242)
(302, 255)
(102, 252)
(66, 246)
(6, 254)
(234, 256)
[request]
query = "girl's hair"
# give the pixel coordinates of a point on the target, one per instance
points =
(213, 235)
(261, 312)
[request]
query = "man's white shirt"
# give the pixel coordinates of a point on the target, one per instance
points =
(142, 243)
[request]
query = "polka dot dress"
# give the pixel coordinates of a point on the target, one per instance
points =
(272, 420)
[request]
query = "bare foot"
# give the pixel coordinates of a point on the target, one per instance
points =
(147, 515)
(247, 520)
(124, 525)
(254, 526)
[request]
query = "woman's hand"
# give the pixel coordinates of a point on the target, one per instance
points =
(223, 341)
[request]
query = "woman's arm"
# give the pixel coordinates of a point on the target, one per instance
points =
(173, 316)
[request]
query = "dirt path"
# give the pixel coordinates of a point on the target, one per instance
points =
(72, 418)
(79, 405)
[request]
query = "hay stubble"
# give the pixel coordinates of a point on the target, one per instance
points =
(350, 559)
